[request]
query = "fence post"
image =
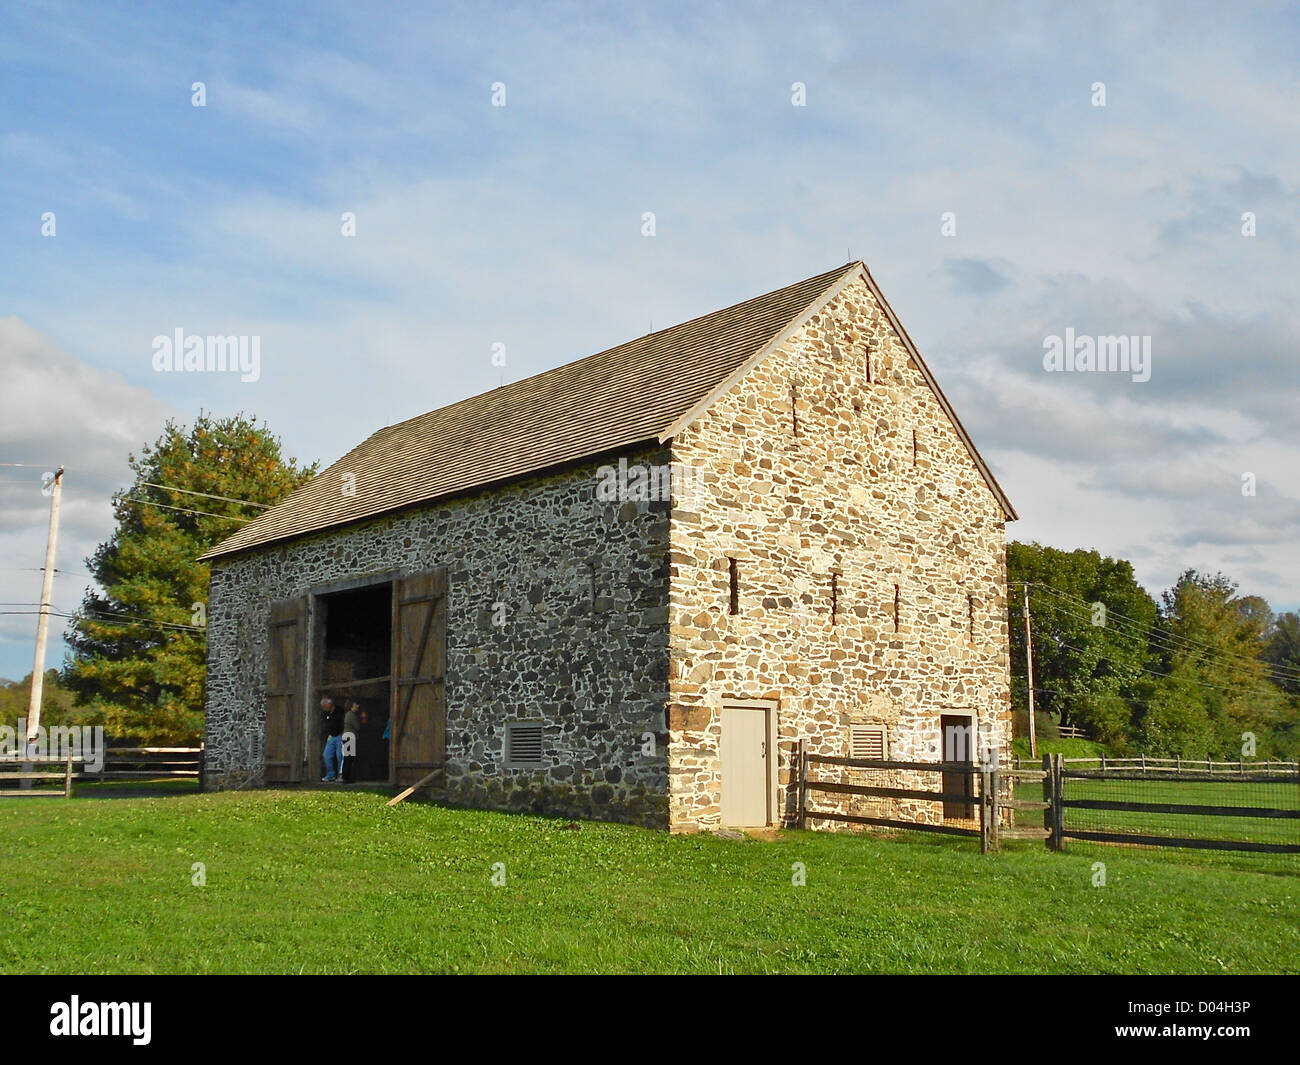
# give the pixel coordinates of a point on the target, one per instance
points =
(1049, 797)
(803, 785)
(1058, 786)
(988, 810)
(983, 810)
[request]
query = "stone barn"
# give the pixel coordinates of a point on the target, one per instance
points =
(627, 588)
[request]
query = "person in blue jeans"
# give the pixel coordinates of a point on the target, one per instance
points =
(333, 740)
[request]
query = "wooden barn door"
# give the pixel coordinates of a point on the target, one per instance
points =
(419, 721)
(286, 661)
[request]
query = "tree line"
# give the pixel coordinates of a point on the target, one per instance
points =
(1188, 674)
(1202, 672)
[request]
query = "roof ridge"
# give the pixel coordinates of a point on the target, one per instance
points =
(606, 401)
(614, 347)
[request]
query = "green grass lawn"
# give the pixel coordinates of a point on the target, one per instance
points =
(324, 882)
(1070, 748)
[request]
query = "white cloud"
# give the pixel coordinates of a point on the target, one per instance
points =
(56, 410)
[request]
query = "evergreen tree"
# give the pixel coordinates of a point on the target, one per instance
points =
(137, 645)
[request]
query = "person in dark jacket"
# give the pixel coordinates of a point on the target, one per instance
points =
(333, 721)
(351, 737)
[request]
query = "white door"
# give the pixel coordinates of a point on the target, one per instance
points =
(744, 767)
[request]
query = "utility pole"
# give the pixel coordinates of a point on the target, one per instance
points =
(1029, 670)
(43, 622)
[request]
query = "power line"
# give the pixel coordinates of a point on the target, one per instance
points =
(181, 510)
(1144, 669)
(121, 619)
(1164, 641)
(1167, 676)
(1153, 633)
(206, 495)
(135, 619)
(1169, 641)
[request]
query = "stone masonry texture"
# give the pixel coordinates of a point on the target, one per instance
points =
(583, 647)
(810, 471)
(836, 495)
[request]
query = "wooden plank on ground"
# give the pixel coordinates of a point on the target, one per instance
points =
(414, 788)
(1026, 832)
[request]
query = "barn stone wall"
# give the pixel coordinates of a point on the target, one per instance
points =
(579, 639)
(809, 471)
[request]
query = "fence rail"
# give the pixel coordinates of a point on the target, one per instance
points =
(25, 775)
(133, 764)
(1106, 763)
(980, 808)
(1255, 807)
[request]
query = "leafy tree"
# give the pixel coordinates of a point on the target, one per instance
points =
(57, 704)
(1282, 652)
(137, 647)
(1091, 653)
(1212, 638)
(1175, 720)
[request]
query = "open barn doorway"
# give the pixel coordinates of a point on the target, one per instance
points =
(355, 655)
(379, 642)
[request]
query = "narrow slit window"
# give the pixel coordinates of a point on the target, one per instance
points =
(733, 586)
(835, 596)
(794, 409)
(867, 363)
(913, 447)
(896, 599)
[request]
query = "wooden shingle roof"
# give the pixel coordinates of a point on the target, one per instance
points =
(611, 400)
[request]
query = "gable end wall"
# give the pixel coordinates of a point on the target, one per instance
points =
(842, 495)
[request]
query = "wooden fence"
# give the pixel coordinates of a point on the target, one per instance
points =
(133, 764)
(149, 763)
(29, 771)
(1175, 766)
(1267, 820)
(992, 796)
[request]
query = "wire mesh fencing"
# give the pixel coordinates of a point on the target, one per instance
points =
(1249, 807)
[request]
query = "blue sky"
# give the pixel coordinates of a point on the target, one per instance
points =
(522, 225)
